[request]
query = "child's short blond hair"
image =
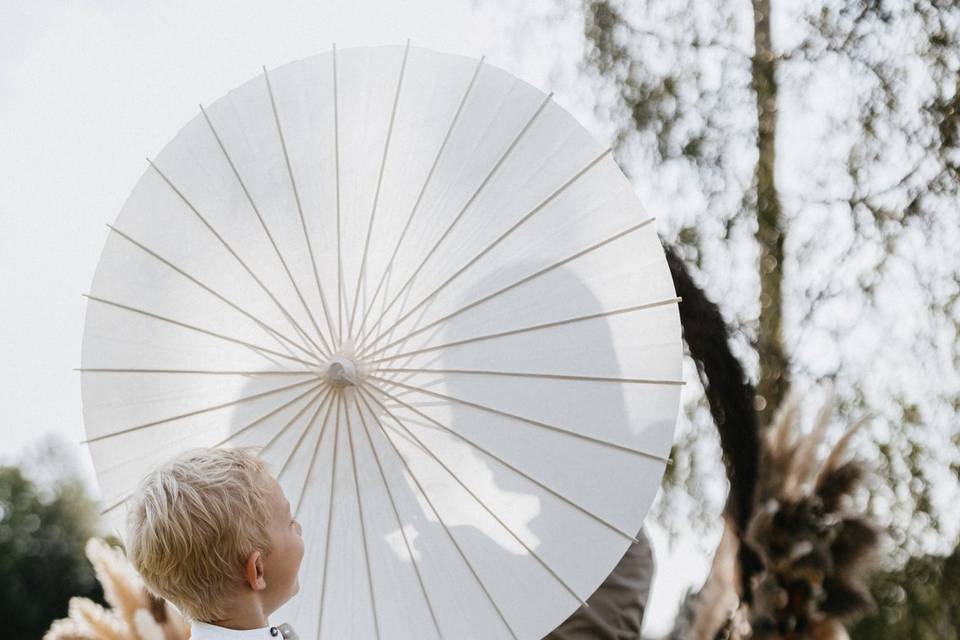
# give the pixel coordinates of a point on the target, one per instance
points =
(193, 522)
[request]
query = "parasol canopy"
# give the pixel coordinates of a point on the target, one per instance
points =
(437, 304)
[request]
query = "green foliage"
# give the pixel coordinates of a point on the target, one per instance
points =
(919, 601)
(42, 561)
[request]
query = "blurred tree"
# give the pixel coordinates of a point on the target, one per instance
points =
(804, 157)
(43, 528)
(919, 601)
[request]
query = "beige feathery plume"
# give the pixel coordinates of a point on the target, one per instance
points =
(176, 626)
(839, 449)
(66, 629)
(780, 434)
(816, 552)
(147, 628)
(172, 624)
(718, 598)
(135, 615)
(805, 458)
(122, 587)
(101, 623)
(169, 618)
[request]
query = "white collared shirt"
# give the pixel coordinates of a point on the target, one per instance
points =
(204, 631)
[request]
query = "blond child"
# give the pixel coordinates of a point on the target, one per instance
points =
(212, 532)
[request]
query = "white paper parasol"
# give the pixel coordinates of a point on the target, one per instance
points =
(437, 302)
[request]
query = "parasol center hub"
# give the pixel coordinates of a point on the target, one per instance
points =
(341, 371)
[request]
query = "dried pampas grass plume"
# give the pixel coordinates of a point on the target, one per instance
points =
(135, 613)
(817, 552)
(97, 621)
(122, 587)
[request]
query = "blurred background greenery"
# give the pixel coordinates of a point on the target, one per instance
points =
(46, 518)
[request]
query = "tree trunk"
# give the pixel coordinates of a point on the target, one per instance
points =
(773, 376)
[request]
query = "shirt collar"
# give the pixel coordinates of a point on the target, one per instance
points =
(205, 631)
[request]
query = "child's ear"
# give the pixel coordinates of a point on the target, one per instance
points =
(254, 571)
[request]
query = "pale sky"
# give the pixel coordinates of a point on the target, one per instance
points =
(87, 91)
